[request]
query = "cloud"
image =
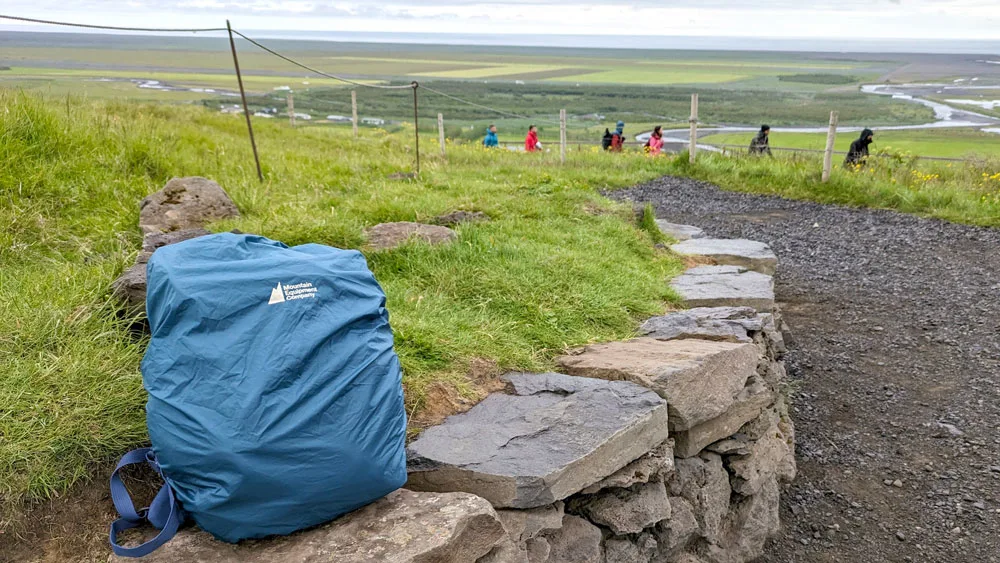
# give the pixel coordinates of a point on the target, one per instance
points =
(964, 19)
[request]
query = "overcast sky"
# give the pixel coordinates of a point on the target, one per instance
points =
(871, 19)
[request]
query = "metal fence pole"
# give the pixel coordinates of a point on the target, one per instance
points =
(693, 146)
(243, 96)
(416, 125)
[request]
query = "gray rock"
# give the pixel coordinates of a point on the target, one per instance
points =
(772, 456)
(704, 483)
(404, 527)
(130, 287)
(679, 232)
(725, 286)
(578, 541)
(653, 465)
(748, 254)
(538, 550)
(505, 552)
(751, 522)
(674, 534)
(626, 511)
(153, 241)
(725, 324)
(620, 550)
(386, 236)
(554, 436)
(699, 379)
(456, 218)
(737, 444)
(522, 525)
(185, 203)
(751, 401)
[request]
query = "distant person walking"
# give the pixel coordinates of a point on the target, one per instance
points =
(858, 153)
(655, 142)
(491, 141)
(614, 141)
(761, 143)
(531, 143)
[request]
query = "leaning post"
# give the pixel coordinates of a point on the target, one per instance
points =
(243, 96)
(291, 110)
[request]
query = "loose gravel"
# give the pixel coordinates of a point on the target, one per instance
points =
(895, 361)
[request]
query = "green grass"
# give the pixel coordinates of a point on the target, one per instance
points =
(960, 192)
(953, 143)
(558, 265)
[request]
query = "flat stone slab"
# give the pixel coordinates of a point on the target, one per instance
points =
(386, 236)
(551, 437)
(748, 406)
(679, 232)
(403, 527)
(725, 324)
(700, 379)
(725, 286)
(748, 254)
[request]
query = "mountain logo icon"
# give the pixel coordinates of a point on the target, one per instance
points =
(277, 295)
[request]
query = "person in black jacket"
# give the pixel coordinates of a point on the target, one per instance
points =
(760, 144)
(858, 152)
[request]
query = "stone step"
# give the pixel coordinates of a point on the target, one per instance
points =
(679, 232)
(726, 324)
(403, 527)
(725, 286)
(700, 379)
(748, 254)
(550, 437)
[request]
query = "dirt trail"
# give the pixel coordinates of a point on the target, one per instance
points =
(895, 360)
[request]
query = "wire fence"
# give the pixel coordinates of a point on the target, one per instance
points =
(415, 86)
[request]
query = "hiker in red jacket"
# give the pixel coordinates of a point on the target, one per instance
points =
(531, 143)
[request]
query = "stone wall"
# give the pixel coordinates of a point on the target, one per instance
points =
(545, 453)
(668, 448)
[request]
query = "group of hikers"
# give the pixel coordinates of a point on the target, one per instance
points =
(856, 155)
(615, 141)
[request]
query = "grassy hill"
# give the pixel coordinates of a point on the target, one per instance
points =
(557, 266)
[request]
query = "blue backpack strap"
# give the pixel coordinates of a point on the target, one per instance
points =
(164, 513)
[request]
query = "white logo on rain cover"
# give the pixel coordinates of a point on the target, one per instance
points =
(304, 290)
(277, 295)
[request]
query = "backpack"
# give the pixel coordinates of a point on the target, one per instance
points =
(617, 141)
(606, 140)
(275, 396)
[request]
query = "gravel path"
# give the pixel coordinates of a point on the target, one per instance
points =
(895, 360)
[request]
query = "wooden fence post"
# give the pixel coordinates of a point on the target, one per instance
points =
(831, 136)
(354, 111)
(562, 136)
(693, 146)
(291, 109)
(441, 131)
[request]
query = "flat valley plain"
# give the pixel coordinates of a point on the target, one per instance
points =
(529, 85)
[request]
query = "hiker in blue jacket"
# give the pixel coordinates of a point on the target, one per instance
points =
(491, 141)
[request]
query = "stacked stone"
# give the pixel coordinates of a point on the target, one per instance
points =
(706, 485)
(667, 448)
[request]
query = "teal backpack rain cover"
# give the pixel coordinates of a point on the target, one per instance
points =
(275, 395)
